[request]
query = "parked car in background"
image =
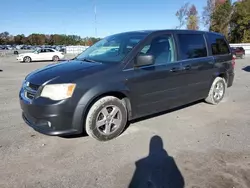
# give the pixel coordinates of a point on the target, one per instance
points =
(124, 77)
(63, 50)
(238, 52)
(4, 47)
(43, 54)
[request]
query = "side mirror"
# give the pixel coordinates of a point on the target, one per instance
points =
(36, 52)
(144, 60)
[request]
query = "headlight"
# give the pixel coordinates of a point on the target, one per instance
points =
(58, 91)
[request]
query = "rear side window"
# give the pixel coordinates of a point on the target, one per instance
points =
(218, 44)
(192, 46)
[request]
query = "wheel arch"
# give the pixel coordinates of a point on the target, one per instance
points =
(118, 94)
(222, 75)
(93, 95)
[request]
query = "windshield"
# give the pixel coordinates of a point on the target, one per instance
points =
(112, 49)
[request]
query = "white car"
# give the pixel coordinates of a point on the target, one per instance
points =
(44, 54)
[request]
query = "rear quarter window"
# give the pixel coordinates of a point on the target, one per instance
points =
(218, 44)
(192, 46)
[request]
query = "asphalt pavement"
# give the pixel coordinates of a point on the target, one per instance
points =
(199, 145)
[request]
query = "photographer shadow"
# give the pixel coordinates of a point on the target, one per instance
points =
(157, 170)
(247, 69)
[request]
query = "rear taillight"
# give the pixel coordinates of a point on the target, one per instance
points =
(233, 60)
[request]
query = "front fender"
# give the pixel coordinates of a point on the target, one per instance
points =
(90, 96)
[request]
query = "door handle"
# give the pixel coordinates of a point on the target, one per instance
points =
(174, 69)
(188, 67)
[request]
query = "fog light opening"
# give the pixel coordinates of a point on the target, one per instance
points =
(49, 124)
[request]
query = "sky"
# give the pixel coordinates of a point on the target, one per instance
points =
(77, 16)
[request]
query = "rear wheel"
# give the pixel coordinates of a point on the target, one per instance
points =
(106, 118)
(27, 59)
(55, 58)
(217, 91)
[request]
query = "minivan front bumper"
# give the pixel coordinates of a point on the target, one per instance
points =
(42, 126)
(50, 119)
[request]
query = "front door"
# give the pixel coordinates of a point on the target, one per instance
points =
(36, 55)
(156, 87)
(42, 55)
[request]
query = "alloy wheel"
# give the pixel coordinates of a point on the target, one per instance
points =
(218, 91)
(109, 119)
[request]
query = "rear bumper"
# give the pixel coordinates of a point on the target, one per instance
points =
(239, 54)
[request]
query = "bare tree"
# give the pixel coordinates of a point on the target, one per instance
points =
(192, 18)
(182, 15)
(208, 13)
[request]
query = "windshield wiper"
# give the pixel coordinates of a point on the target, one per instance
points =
(87, 60)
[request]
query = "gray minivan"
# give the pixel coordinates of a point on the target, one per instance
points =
(127, 76)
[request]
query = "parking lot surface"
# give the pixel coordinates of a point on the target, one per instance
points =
(199, 145)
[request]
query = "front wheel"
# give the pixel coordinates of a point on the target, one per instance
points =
(217, 91)
(106, 118)
(27, 59)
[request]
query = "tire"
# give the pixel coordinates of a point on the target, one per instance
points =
(55, 58)
(102, 110)
(215, 94)
(27, 59)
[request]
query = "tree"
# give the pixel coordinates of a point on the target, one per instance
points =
(42, 39)
(208, 12)
(182, 15)
(192, 18)
(19, 39)
(36, 39)
(221, 17)
(217, 14)
(4, 37)
(47, 39)
(240, 22)
(10, 39)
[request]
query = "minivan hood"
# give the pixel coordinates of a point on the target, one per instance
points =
(62, 70)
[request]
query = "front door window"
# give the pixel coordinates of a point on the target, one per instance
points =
(162, 48)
